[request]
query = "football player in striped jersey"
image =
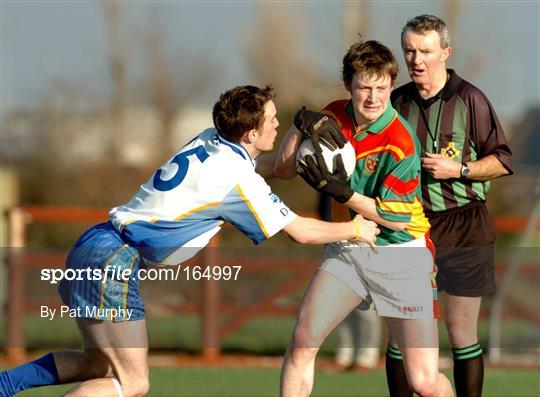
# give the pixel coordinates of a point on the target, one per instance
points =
(398, 277)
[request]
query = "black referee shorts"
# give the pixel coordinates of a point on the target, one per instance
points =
(463, 239)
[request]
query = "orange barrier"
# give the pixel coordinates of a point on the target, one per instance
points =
(212, 332)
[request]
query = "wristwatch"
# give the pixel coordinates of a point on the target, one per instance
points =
(464, 170)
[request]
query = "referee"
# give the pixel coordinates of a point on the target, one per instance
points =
(463, 147)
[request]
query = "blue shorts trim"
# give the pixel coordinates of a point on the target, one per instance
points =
(109, 286)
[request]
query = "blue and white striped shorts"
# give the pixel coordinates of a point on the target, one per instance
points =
(101, 251)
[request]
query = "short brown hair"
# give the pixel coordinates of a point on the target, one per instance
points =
(425, 23)
(371, 58)
(240, 109)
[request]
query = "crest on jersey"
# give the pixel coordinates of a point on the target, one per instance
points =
(450, 151)
(275, 198)
(371, 164)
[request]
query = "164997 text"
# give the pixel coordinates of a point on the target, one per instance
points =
(225, 272)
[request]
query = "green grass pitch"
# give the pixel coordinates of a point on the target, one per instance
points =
(264, 336)
(249, 382)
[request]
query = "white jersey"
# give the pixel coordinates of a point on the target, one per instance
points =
(184, 204)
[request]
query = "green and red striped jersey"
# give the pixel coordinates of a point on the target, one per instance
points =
(460, 123)
(387, 169)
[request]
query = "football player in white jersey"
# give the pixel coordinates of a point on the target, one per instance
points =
(210, 181)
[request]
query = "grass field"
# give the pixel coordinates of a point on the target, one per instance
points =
(244, 382)
(261, 336)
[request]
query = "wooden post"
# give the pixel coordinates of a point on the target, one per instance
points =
(210, 348)
(15, 342)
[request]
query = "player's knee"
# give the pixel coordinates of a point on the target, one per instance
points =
(136, 387)
(425, 390)
(460, 336)
(134, 381)
(302, 355)
(142, 387)
(424, 383)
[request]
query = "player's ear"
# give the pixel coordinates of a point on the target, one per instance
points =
(446, 53)
(347, 86)
(252, 135)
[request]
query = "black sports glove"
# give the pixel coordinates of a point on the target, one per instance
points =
(315, 173)
(316, 125)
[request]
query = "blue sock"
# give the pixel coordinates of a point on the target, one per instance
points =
(41, 372)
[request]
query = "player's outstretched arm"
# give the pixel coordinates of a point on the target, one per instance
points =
(313, 231)
(265, 165)
(285, 165)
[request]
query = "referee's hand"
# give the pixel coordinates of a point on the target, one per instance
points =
(441, 167)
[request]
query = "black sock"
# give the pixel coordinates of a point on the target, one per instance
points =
(398, 386)
(468, 371)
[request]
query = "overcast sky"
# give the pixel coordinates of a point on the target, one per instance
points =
(44, 42)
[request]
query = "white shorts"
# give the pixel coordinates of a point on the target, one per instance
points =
(399, 279)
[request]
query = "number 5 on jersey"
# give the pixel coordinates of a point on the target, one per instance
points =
(181, 159)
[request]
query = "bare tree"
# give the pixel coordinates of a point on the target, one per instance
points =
(161, 88)
(118, 66)
(277, 53)
(170, 83)
(356, 20)
(471, 63)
